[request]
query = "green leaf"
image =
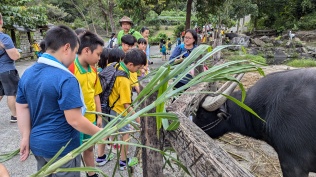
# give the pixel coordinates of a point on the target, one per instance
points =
(242, 105)
(173, 126)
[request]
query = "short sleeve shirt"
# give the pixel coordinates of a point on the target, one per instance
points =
(136, 34)
(90, 86)
(6, 63)
(122, 92)
(49, 91)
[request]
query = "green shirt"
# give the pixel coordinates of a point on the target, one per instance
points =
(136, 34)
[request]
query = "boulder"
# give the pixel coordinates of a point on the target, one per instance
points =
(242, 40)
(258, 42)
(265, 39)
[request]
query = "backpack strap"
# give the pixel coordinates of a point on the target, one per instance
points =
(123, 73)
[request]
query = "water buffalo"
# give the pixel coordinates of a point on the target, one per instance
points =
(287, 102)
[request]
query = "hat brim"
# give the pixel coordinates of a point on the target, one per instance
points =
(127, 22)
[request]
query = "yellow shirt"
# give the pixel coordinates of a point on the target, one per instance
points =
(134, 79)
(36, 47)
(90, 86)
(122, 89)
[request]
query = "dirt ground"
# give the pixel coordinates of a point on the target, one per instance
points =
(256, 156)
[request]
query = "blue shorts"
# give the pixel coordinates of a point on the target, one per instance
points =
(126, 127)
(9, 83)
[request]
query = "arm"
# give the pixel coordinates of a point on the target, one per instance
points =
(98, 109)
(13, 53)
(175, 53)
(131, 110)
(9, 47)
(79, 122)
(24, 124)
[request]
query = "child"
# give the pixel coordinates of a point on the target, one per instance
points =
(169, 44)
(115, 55)
(104, 57)
(142, 45)
(163, 50)
(133, 61)
(89, 53)
(128, 43)
(50, 114)
(36, 48)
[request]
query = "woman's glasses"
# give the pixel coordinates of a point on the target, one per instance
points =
(187, 37)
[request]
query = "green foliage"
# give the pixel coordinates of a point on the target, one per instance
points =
(156, 39)
(19, 12)
(308, 22)
(302, 63)
(178, 30)
(255, 58)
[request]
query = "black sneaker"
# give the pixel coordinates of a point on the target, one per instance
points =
(13, 119)
(95, 175)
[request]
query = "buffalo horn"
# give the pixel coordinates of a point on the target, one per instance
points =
(212, 103)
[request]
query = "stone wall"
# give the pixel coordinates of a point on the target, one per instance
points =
(37, 36)
(25, 46)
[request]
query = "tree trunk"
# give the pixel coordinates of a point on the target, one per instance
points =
(111, 8)
(188, 15)
(105, 16)
(217, 41)
(243, 24)
(152, 161)
(238, 24)
(196, 150)
(81, 13)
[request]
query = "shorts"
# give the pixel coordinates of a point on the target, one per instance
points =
(123, 129)
(41, 161)
(85, 136)
(9, 81)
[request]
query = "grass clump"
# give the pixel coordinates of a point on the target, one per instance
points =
(254, 58)
(299, 63)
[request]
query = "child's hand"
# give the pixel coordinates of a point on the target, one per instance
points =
(99, 121)
(1, 45)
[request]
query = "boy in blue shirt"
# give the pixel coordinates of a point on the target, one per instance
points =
(50, 104)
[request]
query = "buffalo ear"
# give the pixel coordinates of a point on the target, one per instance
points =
(223, 115)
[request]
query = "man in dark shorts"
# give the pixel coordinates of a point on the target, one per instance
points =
(9, 76)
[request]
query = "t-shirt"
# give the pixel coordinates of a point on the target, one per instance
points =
(49, 91)
(122, 89)
(6, 63)
(90, 86)
(136, 34)
(36, 47)
(134, 79)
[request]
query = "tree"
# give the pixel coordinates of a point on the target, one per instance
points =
(19, 12)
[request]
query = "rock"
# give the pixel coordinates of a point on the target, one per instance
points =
(258, 42)
(309, 48)
(253, 51)
(265, 39)
(277, 42)
(306, 35)
(289, 44)
(268, 45)
(280, 54)
(242, 40)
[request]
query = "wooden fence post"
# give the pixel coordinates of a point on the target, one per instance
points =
(152, 161)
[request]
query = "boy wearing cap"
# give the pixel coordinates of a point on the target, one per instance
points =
(126, 24)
